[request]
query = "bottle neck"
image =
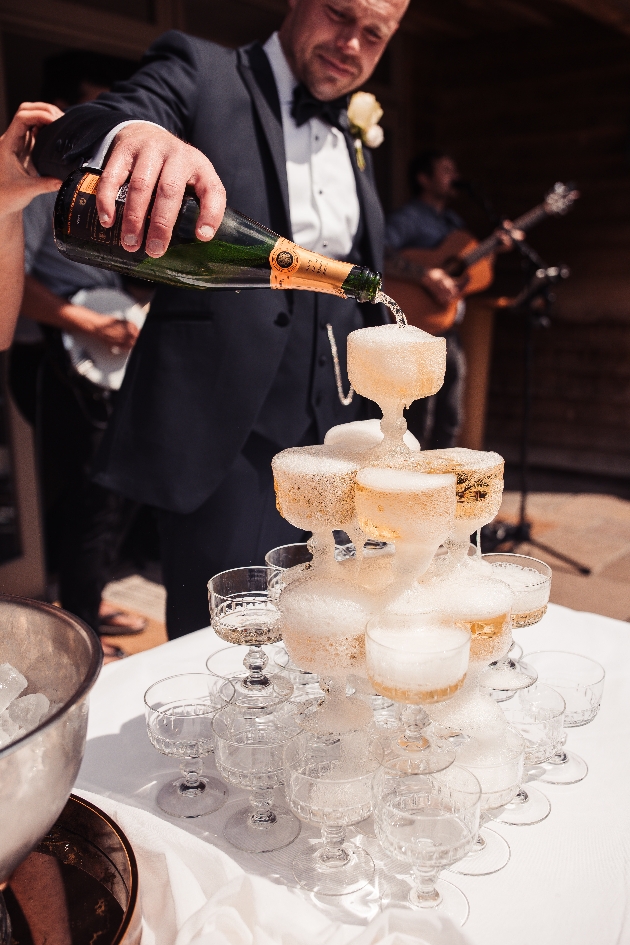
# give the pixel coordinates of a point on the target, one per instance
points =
(362, 284)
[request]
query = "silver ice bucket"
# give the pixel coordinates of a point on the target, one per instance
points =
(61, 657)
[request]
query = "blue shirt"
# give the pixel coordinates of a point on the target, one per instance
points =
(420, 226)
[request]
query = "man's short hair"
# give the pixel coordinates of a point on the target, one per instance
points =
(424, 163)
(65, 72)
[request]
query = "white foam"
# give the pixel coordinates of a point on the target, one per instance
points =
(403, 480)
(413, 656)
(531, 588)
(361, 435)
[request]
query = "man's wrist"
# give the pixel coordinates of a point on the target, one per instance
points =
(98, 158)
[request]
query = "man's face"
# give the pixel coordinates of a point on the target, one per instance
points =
(333, 46)
(440, 183)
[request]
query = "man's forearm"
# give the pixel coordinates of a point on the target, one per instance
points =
(42, 305)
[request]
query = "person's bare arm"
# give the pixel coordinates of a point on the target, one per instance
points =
(19, 183)
(151, 157)
(42, 305)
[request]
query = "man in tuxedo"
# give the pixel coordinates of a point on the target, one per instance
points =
(219, 381)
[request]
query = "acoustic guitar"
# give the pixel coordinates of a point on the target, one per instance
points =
(466, 260)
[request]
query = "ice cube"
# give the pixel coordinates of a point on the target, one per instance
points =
(12, 683)
(27, 711)
(9, 730)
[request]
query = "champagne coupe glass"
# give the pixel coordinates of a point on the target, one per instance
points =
(530, 580)
(328, 781)
(179, 714)
(249, 753)
(280, 559)
(538, 714)
(496, 760)
(580, 681)
(415, 510)
(243, 609)
(417, 660)
(428, 821)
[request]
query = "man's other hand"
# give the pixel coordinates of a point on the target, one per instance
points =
(507, 236)
(440, 285)
(19, 182)
(148, 156)
(112, 331)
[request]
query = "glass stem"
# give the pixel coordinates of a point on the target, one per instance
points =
(560, 758)
(424, 892)
(414, 720)
(255, 663)
(262, 814)
(191, 769)
(332, 853)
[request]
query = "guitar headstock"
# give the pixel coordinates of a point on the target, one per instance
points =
(560, 199)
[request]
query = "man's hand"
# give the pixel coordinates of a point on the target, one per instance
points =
(152, 156)
(440, 285)
(112, 331)
(507, 236)
(19, 181)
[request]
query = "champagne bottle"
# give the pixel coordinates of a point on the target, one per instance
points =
(242, 255)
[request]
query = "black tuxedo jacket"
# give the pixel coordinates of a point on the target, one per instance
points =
(205, 371)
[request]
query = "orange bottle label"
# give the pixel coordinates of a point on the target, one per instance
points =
(293, 267)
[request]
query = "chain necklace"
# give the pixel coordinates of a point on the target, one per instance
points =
(345, 400)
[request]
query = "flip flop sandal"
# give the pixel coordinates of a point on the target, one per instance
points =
(108, 629)
(113, 653)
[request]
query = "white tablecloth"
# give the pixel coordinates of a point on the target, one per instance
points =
(567, 880)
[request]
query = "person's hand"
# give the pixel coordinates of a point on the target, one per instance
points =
(19, 182)
(440, 285)
(507, 235)
(152, 156)
(118, 334)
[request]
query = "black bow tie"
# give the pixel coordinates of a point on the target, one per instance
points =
(305, 106)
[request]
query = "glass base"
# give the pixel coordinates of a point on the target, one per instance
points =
(530, 806)
(178, 801)
(450, 901)
(334, 878)
(508, 676)
(571, 771)
(279, 690)
(245, 834)
(489, 858)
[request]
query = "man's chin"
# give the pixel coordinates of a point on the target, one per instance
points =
(327, 88)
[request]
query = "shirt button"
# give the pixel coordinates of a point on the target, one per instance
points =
(322, 360)
(318, 400)
(282, 319)
(323, 324)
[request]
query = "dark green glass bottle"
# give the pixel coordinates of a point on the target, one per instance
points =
(242, 255)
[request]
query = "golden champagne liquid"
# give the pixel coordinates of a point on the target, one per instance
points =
(490, 636)
(529, 617)
(415, 695)
(323, 653)
(249, 628)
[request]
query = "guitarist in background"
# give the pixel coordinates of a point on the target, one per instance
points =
(84, 522)
(425, 223)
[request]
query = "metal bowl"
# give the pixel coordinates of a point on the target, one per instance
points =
(60, 656)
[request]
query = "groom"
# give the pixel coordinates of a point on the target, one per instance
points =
(221, 380)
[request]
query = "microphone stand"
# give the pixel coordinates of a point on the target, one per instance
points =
(534, 301)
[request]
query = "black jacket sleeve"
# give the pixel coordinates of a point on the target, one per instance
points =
(163, 90)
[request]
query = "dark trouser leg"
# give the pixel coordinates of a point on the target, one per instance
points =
(94, 529)
(436, 421)
(234, 528)
(85, 523)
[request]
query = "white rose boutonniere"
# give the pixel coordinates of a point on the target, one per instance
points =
(364, 114)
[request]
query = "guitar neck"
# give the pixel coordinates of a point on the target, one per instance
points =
(488, 246)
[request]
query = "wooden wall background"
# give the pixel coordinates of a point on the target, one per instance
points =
(520, 109)
(524, 92)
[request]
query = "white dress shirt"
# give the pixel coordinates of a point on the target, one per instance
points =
(322, 189)
(323, 198)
